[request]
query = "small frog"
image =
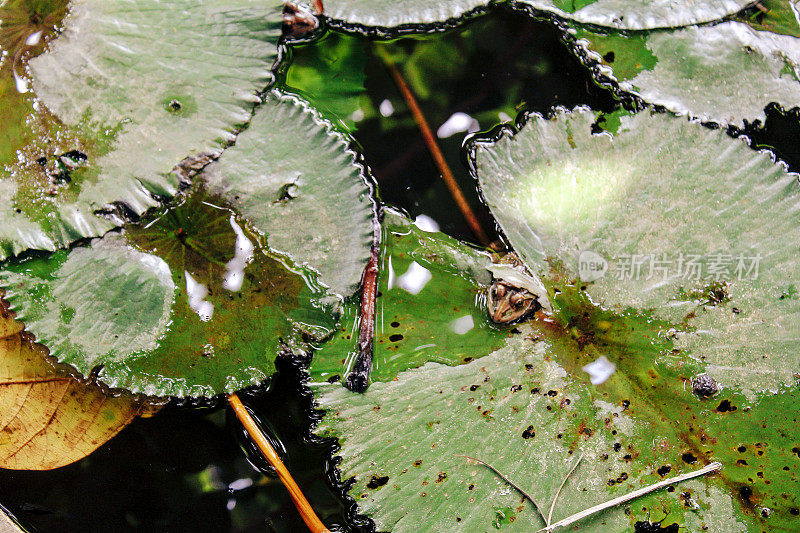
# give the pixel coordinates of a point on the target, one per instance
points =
(515, 293)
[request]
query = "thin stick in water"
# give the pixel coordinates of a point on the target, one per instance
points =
(358, 379)
(435, 151)
(713, 467)
(313, 522)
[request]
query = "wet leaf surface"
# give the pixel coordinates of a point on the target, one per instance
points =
(647, 377)
(639, 15)
(529, 409)
(49, 418)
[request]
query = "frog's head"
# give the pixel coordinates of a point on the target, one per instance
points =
(507, 303)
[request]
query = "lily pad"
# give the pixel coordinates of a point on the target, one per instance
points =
(619, 14)
(529, 410)
(726, 73)
(664, 216)
(174, 81)
(296, 180)
(430, 306)
(192, 303)
(49, 418)
(639, 14)
(393, 13)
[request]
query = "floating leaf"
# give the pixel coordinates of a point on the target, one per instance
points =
(391, 13)
(665, 215)
(191, 303)
(529, 411)
(47, 417)
(168, 82)
(8, 524)
(726, 73)
(296, 180)
(429, 308)
(620, 14)
(639, 14)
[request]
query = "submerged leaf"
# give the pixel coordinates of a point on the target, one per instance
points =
(47, 417)
(166, 83)
(726, 73)
(429, 307)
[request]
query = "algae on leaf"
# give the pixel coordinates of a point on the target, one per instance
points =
(174, 81)
(726, 73)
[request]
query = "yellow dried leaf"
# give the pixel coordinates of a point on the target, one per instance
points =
(48, 418)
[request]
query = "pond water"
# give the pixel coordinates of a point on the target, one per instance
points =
(184, 469)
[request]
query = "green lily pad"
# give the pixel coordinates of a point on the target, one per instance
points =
(171, 83)
(777, 16)
(726, 73)
(619, 14)
(529, 410)
(393, 13)
(639, 14)
(430, 307)
(663, 216)
(192, 303)
(296, 180)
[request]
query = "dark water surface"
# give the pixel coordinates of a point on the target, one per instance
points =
(187, 468)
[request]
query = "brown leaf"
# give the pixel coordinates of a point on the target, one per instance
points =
(48, 417)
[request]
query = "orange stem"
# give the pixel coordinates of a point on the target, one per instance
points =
(436, 153)
(303, 507)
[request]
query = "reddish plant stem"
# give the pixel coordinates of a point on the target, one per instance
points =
(358, 379)
(313, 522)
(436, 152)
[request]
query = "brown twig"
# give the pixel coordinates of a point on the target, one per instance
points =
(303, 507)
(435, 151)
(358, 379)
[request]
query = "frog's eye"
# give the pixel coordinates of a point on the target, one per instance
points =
(517, 301)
